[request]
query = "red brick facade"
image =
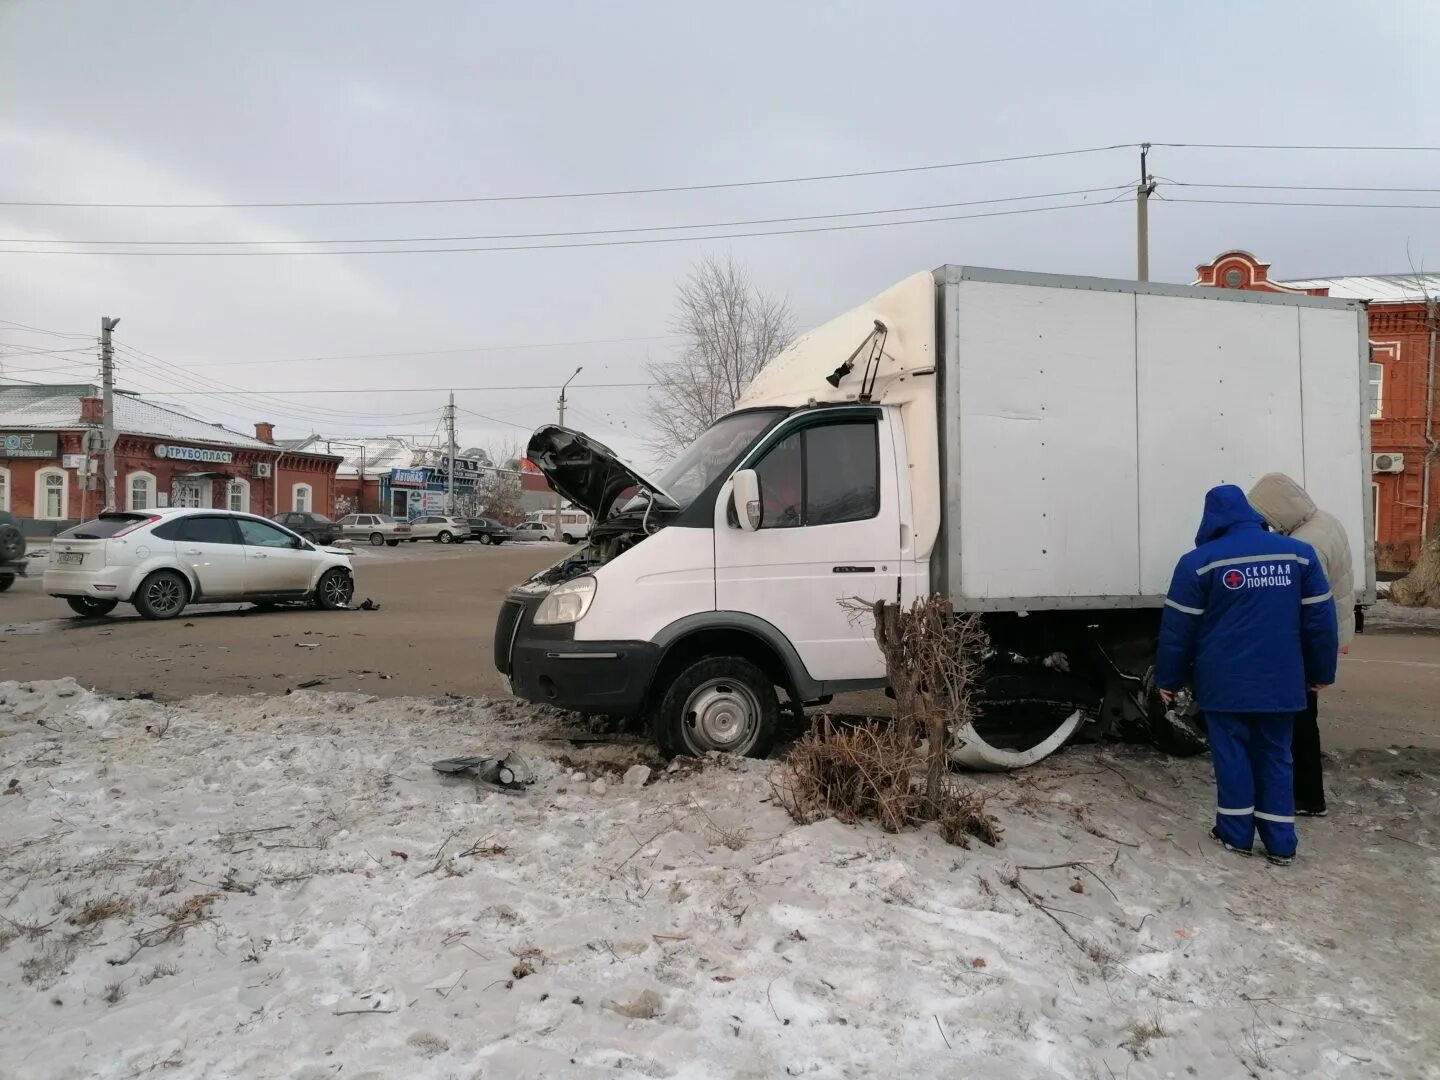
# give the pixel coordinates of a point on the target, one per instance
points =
(1402, 343)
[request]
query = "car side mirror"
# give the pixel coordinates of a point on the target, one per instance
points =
(745, 488)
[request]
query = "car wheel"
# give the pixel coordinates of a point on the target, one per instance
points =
(6, 580)
(162, 595)
(334, 590)
(394, 543)
(308, 536)
(445, 538)
(376, 539)
(12, 544)
(89, 607)
(568, 538)
(484, 538)
(723, 703)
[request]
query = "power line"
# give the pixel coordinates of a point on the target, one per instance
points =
(1339, 205)
(445, 389)
(1280, 146)
(588, 232)
(1298, 187)
(42, 330)
(584, 194)
(577, 244)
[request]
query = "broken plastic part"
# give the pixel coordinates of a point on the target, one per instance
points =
(973, 752)
(510, 774)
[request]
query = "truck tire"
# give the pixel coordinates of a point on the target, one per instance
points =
(568, 538)
(88, 607)
(12, 544)
(162, 595)
(6, 580)
(723, 703)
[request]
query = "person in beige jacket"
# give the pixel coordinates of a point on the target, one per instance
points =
(1288, 509)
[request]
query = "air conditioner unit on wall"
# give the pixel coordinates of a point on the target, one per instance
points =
(1387, 463)
(262, 470)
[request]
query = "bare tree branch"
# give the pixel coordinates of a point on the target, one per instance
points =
(731, 332)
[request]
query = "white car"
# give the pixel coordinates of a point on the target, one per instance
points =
(443, 530)
(533, 530)
(163, 560)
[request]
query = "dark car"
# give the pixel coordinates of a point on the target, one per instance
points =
(12, 550)
(317, 528)
(488, 531)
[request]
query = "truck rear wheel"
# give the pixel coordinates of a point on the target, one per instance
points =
(723, 703)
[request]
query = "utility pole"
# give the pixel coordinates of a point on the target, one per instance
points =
(107, 379)
(561, 403)
(450, 458)
(1143, 192)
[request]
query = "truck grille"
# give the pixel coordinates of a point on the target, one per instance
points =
(505, 627)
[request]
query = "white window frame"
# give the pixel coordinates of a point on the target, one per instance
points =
(42, 504)
(242, 486)
(4, 488)
(295, 490)
(148, 480)
(1377, 387)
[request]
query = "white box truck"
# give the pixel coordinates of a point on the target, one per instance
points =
(1033, 447)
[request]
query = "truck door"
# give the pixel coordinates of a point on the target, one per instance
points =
(829, 535)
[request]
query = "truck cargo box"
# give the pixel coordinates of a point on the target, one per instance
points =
(1083, 419)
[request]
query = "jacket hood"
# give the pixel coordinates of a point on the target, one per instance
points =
(1282, 502)
(1225, 509)
(586, 472)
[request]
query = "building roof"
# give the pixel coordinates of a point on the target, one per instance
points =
(381, 453)
(1379, 288)
(57, 407)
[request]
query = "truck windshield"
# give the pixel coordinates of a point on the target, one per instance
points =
(715, 451)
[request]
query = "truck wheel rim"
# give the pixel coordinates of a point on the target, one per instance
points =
(164, 594)
(722, 715)
(336, 588)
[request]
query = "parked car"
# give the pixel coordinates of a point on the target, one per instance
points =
(12, 550)
(441, 529)
(488, 531)
(532, 530)
(317, 528)
(164, 560)
(377, 528)
(574, 524)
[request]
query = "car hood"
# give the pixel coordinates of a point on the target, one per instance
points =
(586, 472)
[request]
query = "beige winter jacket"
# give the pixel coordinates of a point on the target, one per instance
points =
(1285, 505)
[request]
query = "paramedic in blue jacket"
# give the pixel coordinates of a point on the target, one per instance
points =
(1249, 621)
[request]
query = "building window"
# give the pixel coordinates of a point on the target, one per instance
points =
(4, 489)
(1377, 390)
(1234, 279)
(300, 498)
(237, 496)
(52, 495)
(142, 491)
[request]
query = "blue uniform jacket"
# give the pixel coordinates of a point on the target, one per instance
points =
(1249, 619)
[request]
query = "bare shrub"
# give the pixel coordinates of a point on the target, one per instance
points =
(962, 815)
(851, 773)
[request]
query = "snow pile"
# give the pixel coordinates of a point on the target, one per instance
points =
(257, 887)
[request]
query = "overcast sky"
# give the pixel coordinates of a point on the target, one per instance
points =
(183, 102)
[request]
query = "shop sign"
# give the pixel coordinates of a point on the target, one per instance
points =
(193, 453)
(407, 477)
(29, 444)
(465, 468)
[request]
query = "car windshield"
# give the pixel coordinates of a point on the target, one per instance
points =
(716, 450)
(104, 527)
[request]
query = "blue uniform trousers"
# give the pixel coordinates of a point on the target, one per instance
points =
(1254, 779)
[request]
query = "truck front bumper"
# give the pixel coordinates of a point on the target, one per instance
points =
(547, 666)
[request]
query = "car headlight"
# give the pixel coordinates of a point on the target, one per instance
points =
(566, 603)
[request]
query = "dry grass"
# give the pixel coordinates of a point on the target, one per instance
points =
(44, 967)
(868, 772)
(94, 912)
(159, 971)
(1142, 1034)
(114, 993)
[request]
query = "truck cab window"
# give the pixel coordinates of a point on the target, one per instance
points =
(821, 476)
(842, 473)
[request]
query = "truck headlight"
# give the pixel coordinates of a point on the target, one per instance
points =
(566, 603)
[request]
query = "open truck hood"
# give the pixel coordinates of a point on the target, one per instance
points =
(584, 471)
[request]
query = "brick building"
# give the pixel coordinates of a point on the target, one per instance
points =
(1404, 397)
(51, 460)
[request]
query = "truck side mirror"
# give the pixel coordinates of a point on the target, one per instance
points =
(745, 488)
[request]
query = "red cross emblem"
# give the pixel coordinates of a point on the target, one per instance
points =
(1234, 579)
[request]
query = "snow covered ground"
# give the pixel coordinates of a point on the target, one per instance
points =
(281, 886)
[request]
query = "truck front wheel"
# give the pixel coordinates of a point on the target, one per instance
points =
(723, 703)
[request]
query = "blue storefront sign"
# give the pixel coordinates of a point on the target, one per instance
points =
(408, 478)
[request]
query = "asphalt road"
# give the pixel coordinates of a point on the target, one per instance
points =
(433, 635)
